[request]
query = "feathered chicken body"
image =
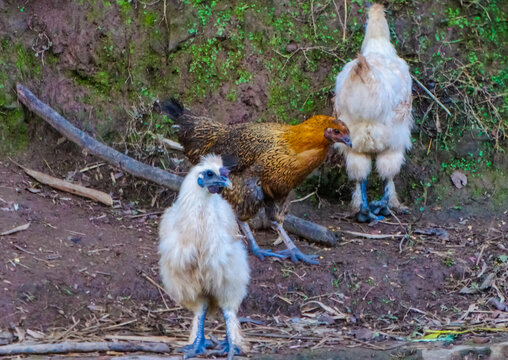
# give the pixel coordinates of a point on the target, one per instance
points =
(271, 160)
(203, 263)
(373, 97)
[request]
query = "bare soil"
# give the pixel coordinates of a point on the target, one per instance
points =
(82, 270)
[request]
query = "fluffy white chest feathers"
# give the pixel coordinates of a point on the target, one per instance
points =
(193, 230)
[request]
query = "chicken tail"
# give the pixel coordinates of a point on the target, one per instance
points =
(172, 108)
(362, 69)
(197, 134)
(377, 34)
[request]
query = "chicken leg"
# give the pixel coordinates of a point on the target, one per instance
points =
(366, 214)
(388, 201)
(292, 251)
(382, 206)
(233, 337)
(200, 343)
(253, 246)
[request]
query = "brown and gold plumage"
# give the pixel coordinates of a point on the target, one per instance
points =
(271, 158)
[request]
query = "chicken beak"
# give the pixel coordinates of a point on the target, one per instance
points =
(226, 182)
(347, 140)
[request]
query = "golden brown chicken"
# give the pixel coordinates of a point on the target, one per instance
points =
(270, 160)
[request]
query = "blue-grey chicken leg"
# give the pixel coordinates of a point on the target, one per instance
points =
(228, 346)
(200, 343)
(253, 246)
(292, 251)
(380, 207)
(366, 214)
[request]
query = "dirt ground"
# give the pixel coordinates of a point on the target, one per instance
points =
(85, 271)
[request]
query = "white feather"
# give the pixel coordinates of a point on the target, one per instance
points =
(203, 260)
(374, 101)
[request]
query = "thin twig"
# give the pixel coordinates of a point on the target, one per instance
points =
(372, 236)
(432, 96)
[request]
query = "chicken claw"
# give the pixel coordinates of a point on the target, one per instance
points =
(296, 255)
(380, 207)
(226, 350)
(261, 253)
(292, 251)
(253, 246)
(196, 348)
(366, 215)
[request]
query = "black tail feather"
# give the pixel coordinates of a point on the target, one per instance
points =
(172, 108)
(230, 161)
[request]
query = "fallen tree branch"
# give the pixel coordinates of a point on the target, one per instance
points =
(66, 186)
(81, 347)
(311, 231)
(124, 162)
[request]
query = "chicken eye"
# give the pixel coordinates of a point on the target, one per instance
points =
(336, 131)
(209, 173)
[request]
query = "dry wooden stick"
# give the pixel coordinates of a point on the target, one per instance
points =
(432, 96)
(81, 347)
(311, 231)
(372, 236)
(173, 145)
(66, 186)
(16, 229)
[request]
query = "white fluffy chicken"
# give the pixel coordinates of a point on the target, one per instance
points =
(373, 98)
(203, 262)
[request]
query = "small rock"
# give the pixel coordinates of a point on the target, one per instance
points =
(458, 179)
(292, 46)
(325, 318)
(364, 334)
(480, 339)
(74, 239)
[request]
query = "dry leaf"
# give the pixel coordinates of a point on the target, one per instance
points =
(458, 179)
(16, 229)
(35, 334)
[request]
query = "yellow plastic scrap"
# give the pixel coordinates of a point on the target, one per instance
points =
(449, 335)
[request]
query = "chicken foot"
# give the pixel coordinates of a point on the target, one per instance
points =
(366, 214)
(200, 343)
(388, 202)
(229, 347)
(380, 207)
(253, 246)
(292, 251)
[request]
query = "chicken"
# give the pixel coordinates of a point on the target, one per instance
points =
(203, 263)
(271, 160)
(373, 98)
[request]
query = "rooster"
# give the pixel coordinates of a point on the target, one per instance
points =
(203, 263)
(373, 98)
(271, 160)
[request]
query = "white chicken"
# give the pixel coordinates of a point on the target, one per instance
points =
(203, 263)
(373, 98)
